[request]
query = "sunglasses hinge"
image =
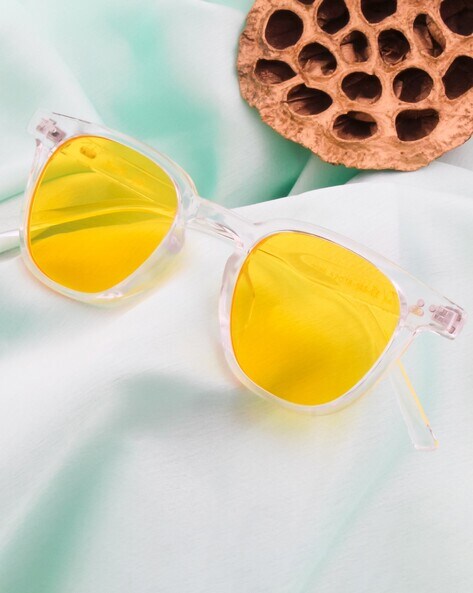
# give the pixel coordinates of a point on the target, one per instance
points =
(49, 129)
(447, 320)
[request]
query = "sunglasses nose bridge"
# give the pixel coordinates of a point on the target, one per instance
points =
(213, 219)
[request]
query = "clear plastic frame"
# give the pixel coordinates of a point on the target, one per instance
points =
(421, 308)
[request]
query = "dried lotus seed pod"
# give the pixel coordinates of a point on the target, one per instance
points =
(372, 84)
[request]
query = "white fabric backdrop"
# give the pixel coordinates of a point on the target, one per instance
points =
(134, 462)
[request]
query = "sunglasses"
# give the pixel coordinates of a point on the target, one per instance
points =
(308, 318)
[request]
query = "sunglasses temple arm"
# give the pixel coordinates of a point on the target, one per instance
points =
(9, 241)
(417, 423)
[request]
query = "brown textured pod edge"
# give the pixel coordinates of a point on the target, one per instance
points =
(371, 84)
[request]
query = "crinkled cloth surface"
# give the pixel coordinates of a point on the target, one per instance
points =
(130, 459)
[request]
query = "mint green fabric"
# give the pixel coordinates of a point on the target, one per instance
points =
(130, 459)
(163, 71)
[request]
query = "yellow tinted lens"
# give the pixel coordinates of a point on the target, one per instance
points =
(310, 318)
(98, 212)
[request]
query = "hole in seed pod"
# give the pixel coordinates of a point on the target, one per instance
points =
(458, 15)
(355, 125)
(332, 15)
(416, 124)
(393, 46)
(306, 101)
(284, 29)
(273, 71)
(359, 86)
(376, 11)
(458, 79)
(428, 35)
(306, 1)
(412, 85)
(355, 47)
(317, 60)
